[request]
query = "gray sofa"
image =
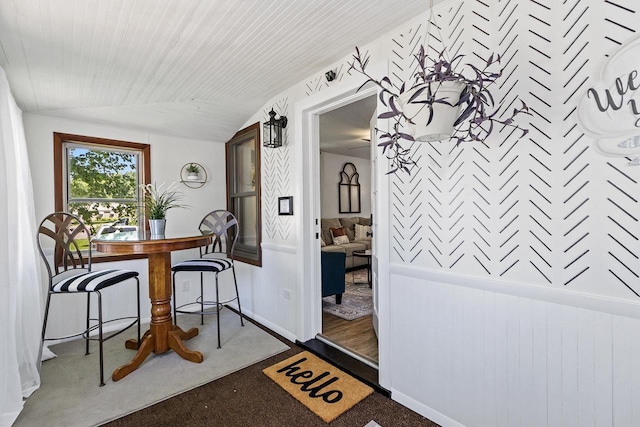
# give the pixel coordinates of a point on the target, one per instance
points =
(354, 245)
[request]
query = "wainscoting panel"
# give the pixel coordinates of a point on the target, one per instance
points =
(264, 291)
(480, 358)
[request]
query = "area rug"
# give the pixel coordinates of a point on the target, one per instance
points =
(70, 395)
(357, 301)
(318, 385)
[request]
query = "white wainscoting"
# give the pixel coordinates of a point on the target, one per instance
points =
(475, 357)
(271, 294)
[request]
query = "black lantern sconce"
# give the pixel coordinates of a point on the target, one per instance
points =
(272, 130)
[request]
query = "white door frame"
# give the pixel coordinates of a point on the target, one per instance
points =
(307, 157)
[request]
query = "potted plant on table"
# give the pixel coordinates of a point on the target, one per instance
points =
(444, 100)
(157, 201)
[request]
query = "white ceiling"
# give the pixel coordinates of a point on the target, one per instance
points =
(346, 131)
(196, 68)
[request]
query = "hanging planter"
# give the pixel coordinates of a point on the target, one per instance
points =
(435, 123)
(445, 99)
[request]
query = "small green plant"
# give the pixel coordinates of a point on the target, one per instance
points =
(158, 201)
(193, 169)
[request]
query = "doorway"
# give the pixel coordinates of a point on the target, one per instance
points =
(345, 177)
(306, 133)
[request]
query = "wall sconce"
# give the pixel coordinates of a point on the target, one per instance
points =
(272, 130)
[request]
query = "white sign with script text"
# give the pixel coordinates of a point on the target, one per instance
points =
(609, 111)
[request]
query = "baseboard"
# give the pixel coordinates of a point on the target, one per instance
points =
(267, 324)
(424, 410)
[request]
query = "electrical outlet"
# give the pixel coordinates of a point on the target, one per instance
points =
(185, 285)
(286, 293)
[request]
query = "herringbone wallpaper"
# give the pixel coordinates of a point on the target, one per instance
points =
(546, 209)
(276, 178)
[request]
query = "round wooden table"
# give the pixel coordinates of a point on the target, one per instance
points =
(162, 335)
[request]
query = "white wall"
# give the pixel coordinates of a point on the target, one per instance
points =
(545, 229)
(330, 167)
(168, 155)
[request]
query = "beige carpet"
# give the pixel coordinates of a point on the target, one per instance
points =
(70, 396)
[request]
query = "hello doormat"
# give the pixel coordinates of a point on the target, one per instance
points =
(321, 387)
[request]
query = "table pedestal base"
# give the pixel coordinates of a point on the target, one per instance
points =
(162, 335)
(175, 336)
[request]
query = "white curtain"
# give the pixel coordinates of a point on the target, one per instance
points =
(21, 298)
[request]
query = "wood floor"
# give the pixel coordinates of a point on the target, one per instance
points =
(356, 335)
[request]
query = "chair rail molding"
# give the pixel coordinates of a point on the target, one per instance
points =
(277, 247)
(617, 306)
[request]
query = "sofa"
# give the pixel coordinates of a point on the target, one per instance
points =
(333, 272)
(348, 223)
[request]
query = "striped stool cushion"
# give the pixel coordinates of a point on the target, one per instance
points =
(213, 265)
(93, 280)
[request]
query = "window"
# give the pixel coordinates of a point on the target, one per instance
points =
(97, 179)
(243, 192)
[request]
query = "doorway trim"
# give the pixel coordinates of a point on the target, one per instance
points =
(306, 131)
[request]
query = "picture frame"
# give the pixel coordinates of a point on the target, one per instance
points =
(285, 205)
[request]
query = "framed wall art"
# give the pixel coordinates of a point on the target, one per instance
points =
(285, 205)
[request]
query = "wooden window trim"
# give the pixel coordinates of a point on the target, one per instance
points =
(58, 158)
(255, 130)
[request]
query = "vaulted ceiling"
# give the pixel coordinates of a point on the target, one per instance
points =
(196, 68)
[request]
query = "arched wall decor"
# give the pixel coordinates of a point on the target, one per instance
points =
(349, 189)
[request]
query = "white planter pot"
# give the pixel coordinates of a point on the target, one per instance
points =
(444, 116)
(156, 226)
(192, 176)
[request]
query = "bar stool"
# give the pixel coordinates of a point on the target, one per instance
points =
(69, 271)
(214, 258)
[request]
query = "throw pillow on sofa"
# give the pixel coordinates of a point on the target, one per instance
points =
(363, 232)
(340, 240)
(348, 224)
(365, 220)
(339, 236)
(326, 225)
